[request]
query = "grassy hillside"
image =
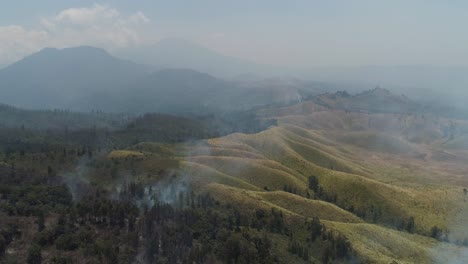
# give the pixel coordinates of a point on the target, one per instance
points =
(366, 173)
(324, 185)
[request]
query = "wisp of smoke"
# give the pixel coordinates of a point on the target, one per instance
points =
(166, 191)
(77, 180)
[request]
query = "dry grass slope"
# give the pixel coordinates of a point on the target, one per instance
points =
(366, 160)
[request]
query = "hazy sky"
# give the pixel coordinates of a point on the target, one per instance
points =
(292, 32)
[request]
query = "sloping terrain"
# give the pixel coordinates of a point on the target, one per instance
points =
(251, 171)
(383, 180)
(344, 186)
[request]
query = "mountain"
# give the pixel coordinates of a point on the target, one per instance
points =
(189, 91)
(445, 85)
(419, 81)
(377, 100)
(180, 53)
(167, 90)
(88, 78)
(53, 78)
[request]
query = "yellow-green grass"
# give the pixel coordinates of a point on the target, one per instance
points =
(309, 208)
(319, 157)
(255, 172)
(121, 154)
(248, 201)
(366, 160)
(372, 243)
(425, 205)
(163, 150)
(275, 143)
(201, 175)
(190, 151)
(312, 136)
(376, 244)
(294, 206)
(351, 189)
(375, 141)
(222, 142)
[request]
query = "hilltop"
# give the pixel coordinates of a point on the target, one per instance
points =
(376, 100)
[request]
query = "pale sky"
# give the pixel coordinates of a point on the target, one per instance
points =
(302, 33)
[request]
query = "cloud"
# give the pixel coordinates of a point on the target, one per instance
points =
(98, 25)
(16, 41)
(86, 16)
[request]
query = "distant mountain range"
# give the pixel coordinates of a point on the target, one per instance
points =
(87, 78)
(180, 53)
(430, 83)
(424, 82)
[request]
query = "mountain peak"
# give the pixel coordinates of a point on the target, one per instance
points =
(181, 72)
(62, 75)
(182, 53)
(374, 100)
(379, 91)
(343, 93)
(71, 54)
(84, 48)
(177, 46)
(176, 41)
(48, 50)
